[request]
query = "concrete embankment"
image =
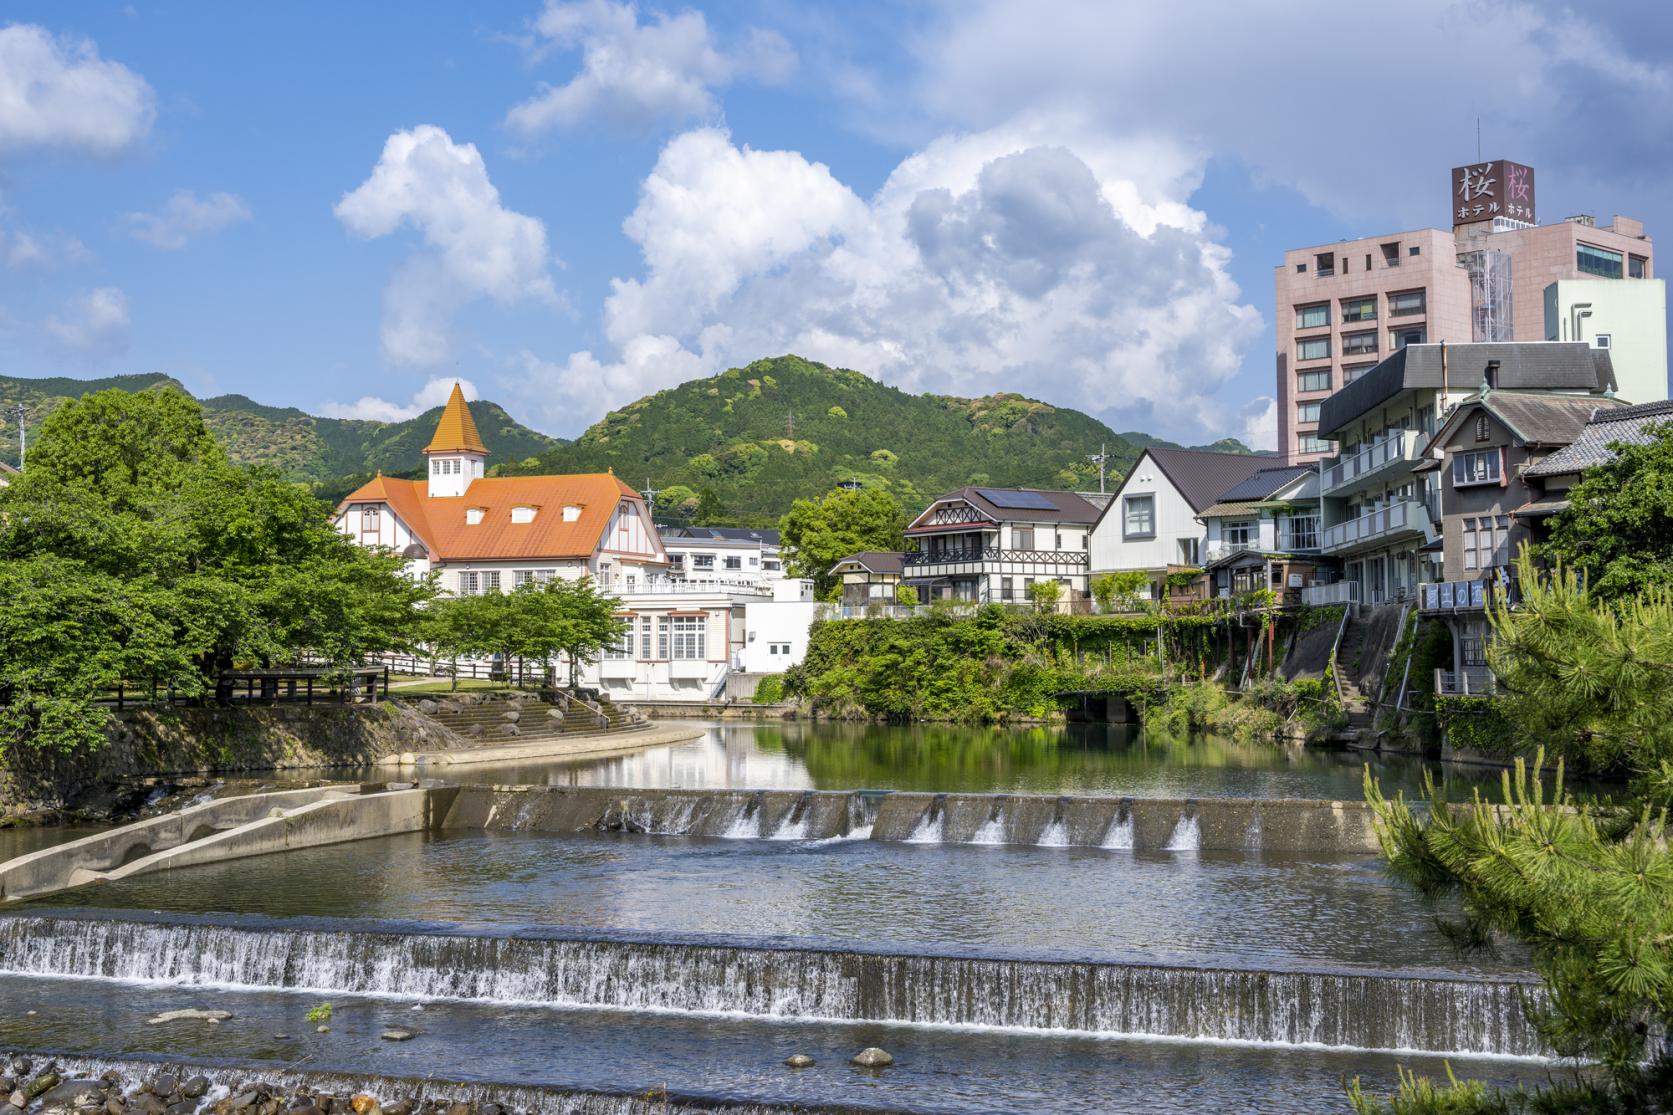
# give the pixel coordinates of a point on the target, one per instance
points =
(560, 747)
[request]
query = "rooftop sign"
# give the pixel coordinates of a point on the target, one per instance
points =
(1482, 191)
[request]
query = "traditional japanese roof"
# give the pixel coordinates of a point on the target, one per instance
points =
(456, 432)
(1015, 505)
(1534, 418)
(874, 561)
(1522, 365)
(441, 522)
(1591, 446)
(1201, 475)
(1229, 510)
(1542, 507)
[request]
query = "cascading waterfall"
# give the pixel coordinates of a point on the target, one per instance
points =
(1186, 835)
(993, 829)
(1252, 837)
(861, 817)
(747, 824)
(1328, 1009)
(1056, 834)
(794, 825)
(1120, 834)
(931, 825)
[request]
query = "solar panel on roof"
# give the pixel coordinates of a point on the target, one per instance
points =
(1017, 501)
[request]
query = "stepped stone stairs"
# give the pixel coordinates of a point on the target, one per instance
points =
(525, 717)
(1349, 656)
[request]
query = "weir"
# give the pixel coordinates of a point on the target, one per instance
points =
(1143, 824)
(1332, 1009)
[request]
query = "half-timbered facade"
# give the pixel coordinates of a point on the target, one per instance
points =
(993, 544)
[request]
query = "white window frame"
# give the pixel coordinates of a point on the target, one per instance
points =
(1130, 506)
(689, 638)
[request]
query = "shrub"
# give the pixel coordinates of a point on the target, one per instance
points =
(769, 690)
(906, 596)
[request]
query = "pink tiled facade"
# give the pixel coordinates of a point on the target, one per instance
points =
(1342, 307)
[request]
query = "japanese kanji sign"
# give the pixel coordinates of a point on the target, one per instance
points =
(1482, 191)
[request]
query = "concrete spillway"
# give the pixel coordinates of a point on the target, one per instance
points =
(1210, 824)
(1340, 1009)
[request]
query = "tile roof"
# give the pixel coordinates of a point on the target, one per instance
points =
(1201, 475)
(876, 561)
(1523, 365)
(1224, 510)
(1535, 417)
(441, 522)
(1591, 446)
(1066, 507)
(456, 432)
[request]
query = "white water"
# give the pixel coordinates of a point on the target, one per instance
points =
(1055, 836)
(745, 826)
(1252, 838)
(991, 832)
(1120, 835)
(928, 829)
(1186, 836)
(792, 829)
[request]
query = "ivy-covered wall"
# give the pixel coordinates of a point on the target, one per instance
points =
(1477, 724)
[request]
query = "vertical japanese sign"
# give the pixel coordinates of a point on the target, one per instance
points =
(1482, 191)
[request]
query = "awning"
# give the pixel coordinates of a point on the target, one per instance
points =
(1541, 508)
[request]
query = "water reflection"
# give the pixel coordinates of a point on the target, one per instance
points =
(1114, 760)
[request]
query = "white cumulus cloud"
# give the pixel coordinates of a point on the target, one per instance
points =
(1036, 257)
(1260, 423)
(58, 92)
(474, 247)
(186, 215)
(94, 325)
(637, 75)
(432, 394)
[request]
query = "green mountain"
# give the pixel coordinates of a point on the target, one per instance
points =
(739, 447)
(1224, 445)
(332, 454)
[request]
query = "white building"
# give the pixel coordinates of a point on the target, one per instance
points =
(776, 630)
(747, 554)
(490, 534)
(992, 544)
(1627, 318)
(1151, 525)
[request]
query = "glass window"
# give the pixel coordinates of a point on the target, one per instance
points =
(1359, 309)
(1304, 532)
(1597, 261)
(1391, 254)
(1313, 348)
(1483, 428)
(662, 637)
(1414, 250)
(1307, 412)
(1318, 380)
(702, 561)
(1469, 544)
(734, 563)
(644, 637)
(1241, 533)
(369, 519)
(1352, 372)
(491, 581)
(1479, 467)
(521, 577)
(1637, 267)
(468, 584)
(623, 646)
(1324, 263)
(1313, 317)
(1400, 338)
(1358, 344)
(1005, 589)
(1022, 538)
(690, 635)
(1312, 443)
(1407, 303)
(1139, 517)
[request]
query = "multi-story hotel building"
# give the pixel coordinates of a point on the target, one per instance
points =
(1343, 307)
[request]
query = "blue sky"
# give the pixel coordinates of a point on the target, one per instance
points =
(567, 205)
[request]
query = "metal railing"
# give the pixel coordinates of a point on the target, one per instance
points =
(1342, 592)
(691, 586)
(1468, 682)
(995, 554)
(1398, 447)
(1404, 515)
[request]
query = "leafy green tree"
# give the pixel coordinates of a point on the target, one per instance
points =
(816, 534)
(1045, 594)
(162, 561)
(577, 621)
(906, 596)
(1618, 528)
(1588, 886)
(1118, 589)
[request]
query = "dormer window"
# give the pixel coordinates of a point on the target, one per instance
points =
(523, 514)
(473, 516)
(571, 512)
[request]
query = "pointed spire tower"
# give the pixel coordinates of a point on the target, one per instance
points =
(456, 454)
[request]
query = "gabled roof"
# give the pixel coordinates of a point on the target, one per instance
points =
(1266, 483)
(1534, 418)
(456, 432)
(1201, 475)
(874, 561)
(1523, 365)
(442, 525)
(1064, 507)
(1591, 446)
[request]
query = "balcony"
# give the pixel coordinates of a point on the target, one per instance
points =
(1342, 592)
(1399, 520)
(1392, 453)
(693, 586)
(1471, 681)
(930, 560)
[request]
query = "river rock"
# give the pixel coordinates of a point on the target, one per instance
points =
(872, 1058)
(512, 715)
(428, 707)
(163, 1085)
(397, 1033)
(184, 1107)
(40, 1084)
(799, 1061)
(361, 1103)
(22, 1066)
(244, 1100)
(10, 1109)
(510, 730)
(144, 1103)
(189, 1015)
(459, 1109)
(399, 1107)
(17, 1099)
(116, 1105)
(195, 1087)
(73, 1094)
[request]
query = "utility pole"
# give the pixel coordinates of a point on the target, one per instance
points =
(650, 495)
(22, 439)
(1098, 459)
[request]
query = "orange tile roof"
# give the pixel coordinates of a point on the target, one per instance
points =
(456, 432)
(441, 524)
